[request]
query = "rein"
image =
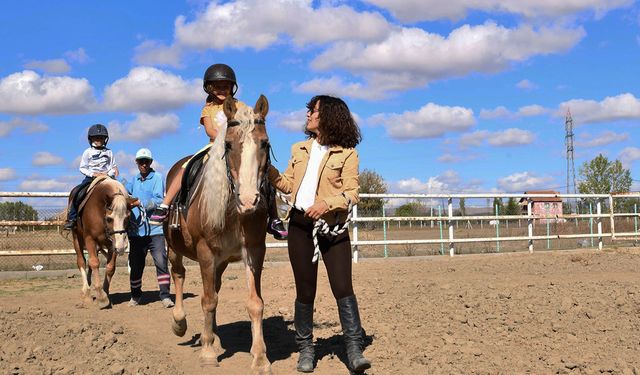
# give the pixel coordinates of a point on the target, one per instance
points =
(320, 226)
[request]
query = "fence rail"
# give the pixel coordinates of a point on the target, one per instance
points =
(599, 225)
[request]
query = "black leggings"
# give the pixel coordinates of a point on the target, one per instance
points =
(336, 255)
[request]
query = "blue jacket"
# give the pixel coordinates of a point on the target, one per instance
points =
(150, 192)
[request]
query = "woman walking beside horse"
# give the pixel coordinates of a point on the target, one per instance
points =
(322, 178)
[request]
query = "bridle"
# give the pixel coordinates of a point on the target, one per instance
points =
(232, 186)
(110, 232)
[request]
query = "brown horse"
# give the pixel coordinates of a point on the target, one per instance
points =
(226, 223)
(101, 227)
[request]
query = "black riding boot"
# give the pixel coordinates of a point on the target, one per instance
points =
(352, 333)
(303, 322)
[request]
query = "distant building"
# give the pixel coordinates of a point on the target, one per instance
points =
(543, 206)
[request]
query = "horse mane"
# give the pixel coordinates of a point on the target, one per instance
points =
(214, 188)
(118, 197)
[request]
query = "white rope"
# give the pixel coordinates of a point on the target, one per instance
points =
(321, 226)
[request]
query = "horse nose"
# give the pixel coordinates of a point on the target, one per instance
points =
(247, 203)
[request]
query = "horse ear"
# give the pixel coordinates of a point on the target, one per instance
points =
(131, 201)
(262, 106)
(229, 107)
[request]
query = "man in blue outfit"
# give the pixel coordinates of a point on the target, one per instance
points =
(148, 187)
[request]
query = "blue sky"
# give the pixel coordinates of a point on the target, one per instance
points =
(456, 96)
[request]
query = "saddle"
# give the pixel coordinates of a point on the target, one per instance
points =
(190, 180)
(84, 193)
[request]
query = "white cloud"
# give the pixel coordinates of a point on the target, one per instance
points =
(431, 10)
(474, 139)
(523, 181)
(430, 121)
(27, 92)
(337, 87)
(525, 84)
(54, 66)
(144, 127)
(498, 112)
(292, 121)
(603, 139)
(511, 137)
(27, 126)
(79, 55)
(532, 110)
(36, 184)
(629, 155)
(7, 174)
(152, 52)
(259, 24)
(412, 57)
(46, 158)
(457, 158)
(612, 108)
(504, 138)
(147, 89)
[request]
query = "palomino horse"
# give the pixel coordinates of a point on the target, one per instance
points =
(226, 222)
(101, 227)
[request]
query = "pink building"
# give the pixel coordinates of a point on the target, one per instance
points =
(543, 206)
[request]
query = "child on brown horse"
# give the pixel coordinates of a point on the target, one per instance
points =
(97, 160)
(219, 83)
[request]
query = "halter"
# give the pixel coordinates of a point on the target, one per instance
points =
(110, 232)
(232, 186)
(321, 227)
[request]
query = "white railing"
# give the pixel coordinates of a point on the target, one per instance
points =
(449, 220)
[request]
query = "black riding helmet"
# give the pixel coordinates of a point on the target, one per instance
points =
(98, 130)
(220, 72)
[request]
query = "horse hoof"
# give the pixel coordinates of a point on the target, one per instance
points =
(179, 328)
(262, 367)
(209, 361)
(104, 304)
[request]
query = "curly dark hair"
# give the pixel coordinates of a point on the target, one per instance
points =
(337, 126)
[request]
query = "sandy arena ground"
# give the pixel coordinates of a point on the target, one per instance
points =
(571, 312)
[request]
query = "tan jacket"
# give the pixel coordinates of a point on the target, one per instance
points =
(338, 174)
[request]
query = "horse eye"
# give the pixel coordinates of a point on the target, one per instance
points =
(264, 144)
(227, 146)
(109, 219)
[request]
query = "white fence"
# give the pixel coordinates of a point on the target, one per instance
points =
(444, 221)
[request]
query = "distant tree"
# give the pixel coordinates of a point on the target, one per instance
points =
(371, 182)
(410, 209)
(463, 209)
(498, 202)
(512, 207)
(17, 211)
(602, 176)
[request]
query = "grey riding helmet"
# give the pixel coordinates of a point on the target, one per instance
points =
(220, 72)
(98, 130)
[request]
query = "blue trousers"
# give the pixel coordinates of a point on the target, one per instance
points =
(138, 249)
(73, 210)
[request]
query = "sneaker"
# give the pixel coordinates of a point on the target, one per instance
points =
(167, 303)
(158, 216)
(69, 225)
(276, 228)
(135, 301)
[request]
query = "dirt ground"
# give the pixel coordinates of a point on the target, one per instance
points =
(573, 312)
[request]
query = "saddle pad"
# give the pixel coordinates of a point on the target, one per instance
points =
(88, 191)
(190, 180)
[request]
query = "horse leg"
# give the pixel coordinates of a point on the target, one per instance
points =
(209, 303)
(109, 270)
(216, 339)
(178, 271)
(94, 264)
(255, 308)
(82, 266)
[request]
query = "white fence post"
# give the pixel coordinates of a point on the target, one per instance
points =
(613, 231)
(530, 225)
(451, 249)
(599, 211)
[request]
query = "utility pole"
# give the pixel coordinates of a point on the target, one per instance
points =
(568, 140)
